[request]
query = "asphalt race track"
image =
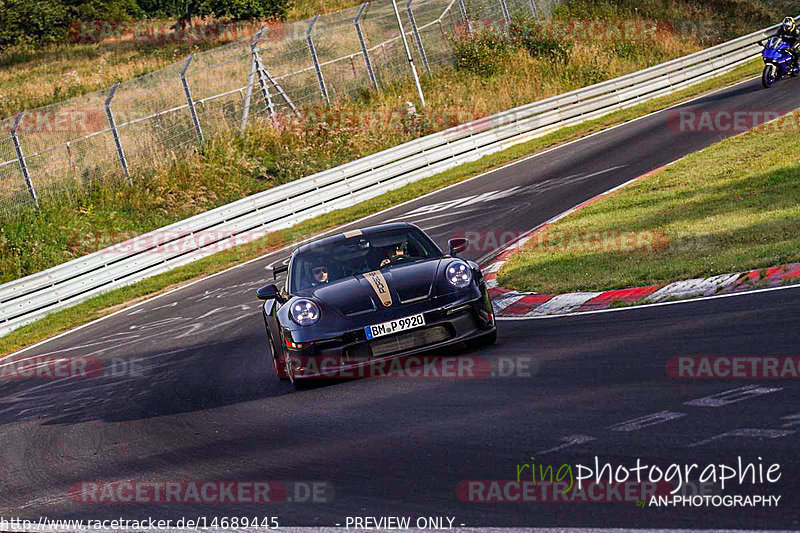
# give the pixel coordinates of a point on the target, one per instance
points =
(193, 398)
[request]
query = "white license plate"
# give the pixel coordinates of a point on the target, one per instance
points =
(394, 326)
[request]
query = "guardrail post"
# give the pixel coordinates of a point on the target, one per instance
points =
(188, 92)
(360, 34)
(534, 9)
(23, 165)
(250, 78)
(417, 38)
(313, 50)
(504, 8)
(113, 125)
(463, 8)
(408, 53)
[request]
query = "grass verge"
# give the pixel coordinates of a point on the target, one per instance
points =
(732, 207)
(105, 304)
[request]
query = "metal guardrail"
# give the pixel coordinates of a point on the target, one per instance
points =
(27, 299)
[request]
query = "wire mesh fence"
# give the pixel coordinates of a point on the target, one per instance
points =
(118, 133)
(12, 182)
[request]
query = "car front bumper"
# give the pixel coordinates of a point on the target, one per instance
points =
(348, 354)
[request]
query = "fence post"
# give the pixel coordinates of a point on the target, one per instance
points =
(367, 62)
(463, 8)
(71, 157)
(262, 83)
(313, 50)
(188, 93)
(113, 125)
(280, 90)
(250, 79)
(534, 9)
(506, 14)
(23, 165)
(408, 53)
(417, 38)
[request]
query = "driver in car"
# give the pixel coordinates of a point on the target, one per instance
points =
(320, 275)
(399, 251)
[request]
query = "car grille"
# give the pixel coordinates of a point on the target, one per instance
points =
(400, 342)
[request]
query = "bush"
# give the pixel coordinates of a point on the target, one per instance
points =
(629, 49)
(485, 53)
(45, 21)
(34, 21)
(103, 10)
(162, 9)
(587, 74)
(548, 49)
(482, 54)
(527, 33)
(238, 9)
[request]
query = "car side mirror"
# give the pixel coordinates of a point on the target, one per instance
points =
(457, 245)
(268, 292)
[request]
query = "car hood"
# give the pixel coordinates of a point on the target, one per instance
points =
(365, 293)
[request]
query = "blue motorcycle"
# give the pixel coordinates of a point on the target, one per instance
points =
(777, 61)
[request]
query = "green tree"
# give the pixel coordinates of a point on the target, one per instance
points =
(238, 9)
(103, 9)
(32, 21)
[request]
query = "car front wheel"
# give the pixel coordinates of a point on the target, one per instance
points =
(278, 360)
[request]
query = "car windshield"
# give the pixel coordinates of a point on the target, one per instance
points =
(328, 263)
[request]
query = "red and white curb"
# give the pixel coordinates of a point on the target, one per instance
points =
(509, 303)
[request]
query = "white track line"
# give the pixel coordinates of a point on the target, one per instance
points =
(644, 306)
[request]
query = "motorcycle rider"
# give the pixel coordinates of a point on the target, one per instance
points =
(790, 33)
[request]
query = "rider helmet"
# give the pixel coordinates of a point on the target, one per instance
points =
(788, 24)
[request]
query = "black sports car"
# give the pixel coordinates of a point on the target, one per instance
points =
(369, 295)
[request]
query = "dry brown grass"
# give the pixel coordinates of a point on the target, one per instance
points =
(36, 76)
(43, 75)
(302, 9)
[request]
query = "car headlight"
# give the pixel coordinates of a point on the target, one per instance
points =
(459, 274)
(305, 312)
